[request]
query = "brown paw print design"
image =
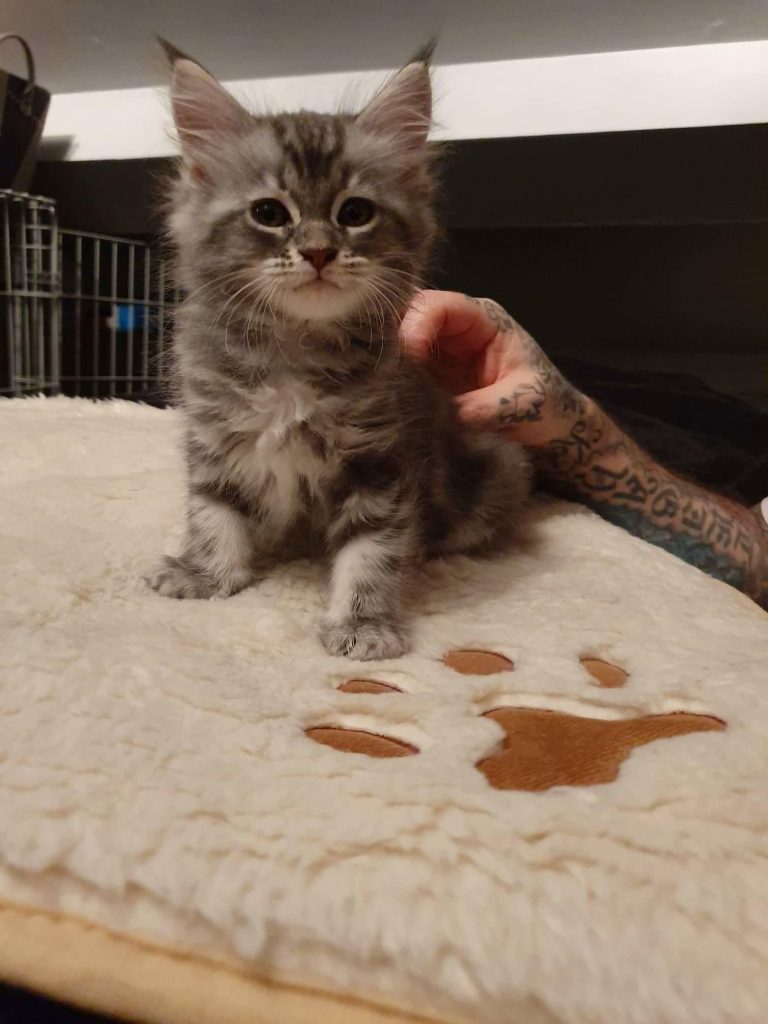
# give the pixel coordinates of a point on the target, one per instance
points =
(540, 748)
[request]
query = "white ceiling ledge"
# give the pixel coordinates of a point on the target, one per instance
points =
(674, 87)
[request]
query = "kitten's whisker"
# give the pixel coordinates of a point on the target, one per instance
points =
(381, 265)
(386, 296)
(379, 297)
(403, 283)
(254, 307)
(262, 307)
(270, 310)
(230, 275)
(233, 298)
(251, 285)
(380, 312)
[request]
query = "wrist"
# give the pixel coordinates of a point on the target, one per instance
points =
(587, 437)
(586, 419)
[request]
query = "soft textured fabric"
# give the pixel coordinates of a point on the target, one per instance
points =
(157, 777)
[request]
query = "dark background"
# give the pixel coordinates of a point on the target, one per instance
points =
(19, 1007)
(623, 242)
(639, 261)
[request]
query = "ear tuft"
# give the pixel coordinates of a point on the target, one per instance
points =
(203, 110)
(402, 109)
(173, 53)
(425, 54)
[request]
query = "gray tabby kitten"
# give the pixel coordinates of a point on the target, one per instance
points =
(300, 241)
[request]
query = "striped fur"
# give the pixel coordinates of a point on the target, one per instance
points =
(306, 429)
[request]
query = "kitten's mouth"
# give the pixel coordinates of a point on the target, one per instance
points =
(320, 298)
(317, 284)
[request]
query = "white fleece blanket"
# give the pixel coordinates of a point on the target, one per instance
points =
(156, 778)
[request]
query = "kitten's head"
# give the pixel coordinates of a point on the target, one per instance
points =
(305, 216)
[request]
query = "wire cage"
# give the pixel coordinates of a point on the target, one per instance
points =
(29, 305)
(117, 304)
(80, 313)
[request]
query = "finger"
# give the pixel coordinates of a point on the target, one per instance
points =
(509, 404)
(445, 320)
(480, 408)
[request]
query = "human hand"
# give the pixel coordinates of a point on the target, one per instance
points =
(501, 378)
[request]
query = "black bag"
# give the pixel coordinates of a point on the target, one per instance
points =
(23, 106)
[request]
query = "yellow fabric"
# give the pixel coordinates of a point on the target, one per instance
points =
(87, 965)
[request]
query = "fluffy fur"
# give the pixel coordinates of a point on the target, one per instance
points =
(300, 241)
(155, 777)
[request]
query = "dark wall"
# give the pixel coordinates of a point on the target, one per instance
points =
(633, 242)
(680, 176)
(113, 197)
(699, 287)
(675, 176)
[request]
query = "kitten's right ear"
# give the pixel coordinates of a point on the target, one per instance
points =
(203, 110)
(402, 109)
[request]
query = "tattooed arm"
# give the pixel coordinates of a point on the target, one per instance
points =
(503, 380)
(595, 462)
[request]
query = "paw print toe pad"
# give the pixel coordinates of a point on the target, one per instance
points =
(355, 741)
(477, 663)
(367, 686)
(609, 676)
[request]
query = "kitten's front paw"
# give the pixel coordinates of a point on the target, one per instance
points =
(367, 641)
(172, 578)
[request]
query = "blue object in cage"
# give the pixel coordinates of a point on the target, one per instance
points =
(130, 317)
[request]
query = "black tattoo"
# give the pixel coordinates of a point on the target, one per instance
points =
(602, 480)
(565, 399)
(666, 503)
(694, 550)
(634, 491)
(576, 452)
(609, 472)
(692, 517)
(524, 405)
(593, 461)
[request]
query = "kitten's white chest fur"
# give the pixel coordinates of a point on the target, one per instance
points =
(271, 455)
(274, 408)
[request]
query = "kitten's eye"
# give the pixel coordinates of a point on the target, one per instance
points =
(355, 212)
(270, 213)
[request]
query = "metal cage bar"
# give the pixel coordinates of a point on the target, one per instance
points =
(115, 304)
(29, 307)
(83, 313)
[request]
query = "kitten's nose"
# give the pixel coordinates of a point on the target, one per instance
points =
(319, 257)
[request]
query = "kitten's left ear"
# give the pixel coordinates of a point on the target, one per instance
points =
(202, 107)
(402, 109)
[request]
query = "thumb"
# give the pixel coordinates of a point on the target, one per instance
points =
(420, 326)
